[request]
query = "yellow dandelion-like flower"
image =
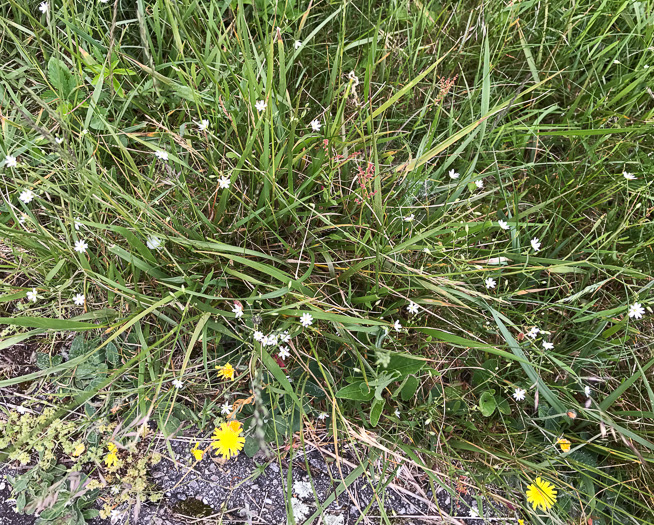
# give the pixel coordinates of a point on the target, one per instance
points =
(112, 457)
(564, 444)
(79, 449)
(197, 453)
(541, 494)
(227, 440)
(226, 371)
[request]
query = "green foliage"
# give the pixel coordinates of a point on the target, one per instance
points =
(545, 105)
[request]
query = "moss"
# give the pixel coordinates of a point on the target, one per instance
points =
(193, 507)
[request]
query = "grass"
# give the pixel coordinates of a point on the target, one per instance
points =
(544, 103)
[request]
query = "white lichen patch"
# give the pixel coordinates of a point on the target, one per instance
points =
(303, 490)
(300, 510)
(331, 519)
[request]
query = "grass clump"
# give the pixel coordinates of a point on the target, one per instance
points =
(423, 228)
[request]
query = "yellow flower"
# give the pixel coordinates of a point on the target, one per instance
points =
(197, 453)
(521, 522)
(541, 494)
(112, 457)
(227, 440)
(79, 449)
(564, 444)
(226, 371)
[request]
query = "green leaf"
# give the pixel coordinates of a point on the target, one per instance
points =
(60, 77)
(251, 446)
(487, 403)
(376, 411)
(409, 389)
(405, 364)
(358, 391)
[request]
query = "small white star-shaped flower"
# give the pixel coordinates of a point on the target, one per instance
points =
(223, 183)
(237, 310)
(474, 513)
(32, 296)
(272, 340)
(519, 394)
(533, 332)
(10, 161)
(258, 336)
(397, 326)
(81, 246)
(503, 224)
(490, 283)
(153, 242)
(636, 311)
(261, 105)
(535, 244)
(79, 299)
(628, 176)
(479, 184)
(203, 125)
(43, 7)
(76, 224)
(26, 196)
(298, 44)
(163, 155)
(547, 345)
(412, 308)
(397, 413)
(284, 352)
(323, 415)
(587, 391)
(226, 408)
(85, 131)
(409, 218)
(22, 219)
(453, 174)
(316, 125)
(177, 384)
(306, 320)
(285, 337)
(58, 140)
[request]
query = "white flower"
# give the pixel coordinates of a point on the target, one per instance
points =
(587, 391)
(223, 183)
(10, 161)
(43, 7)
(636, 311)
(226, 408)
(547, 345)
(58, 140)
(616, 61)
(26, 196)
(285, 337)
(289, 379)
(409, 218)
(316, 125)
(503, 224)
(177, 384)
(237, 311)
(490, 282)
(79, 299)
(397, 326)
(533, 332)
(81, 246)
(22, 218)
(306, 320)
(519, 394)
(479, 184)
(21, 410)
(203, 125)
(298, 44)
(153, 242)
(474, 513)
(453, 174)
(284, 352)
(31, 296)
(270, 340)
(535, 244)
(77, 224)
(323, 415)
(85, 131)
(163, 155)
(258, 336)
(261, 105)
(628, 176)
(397, 413)
(412, 308)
